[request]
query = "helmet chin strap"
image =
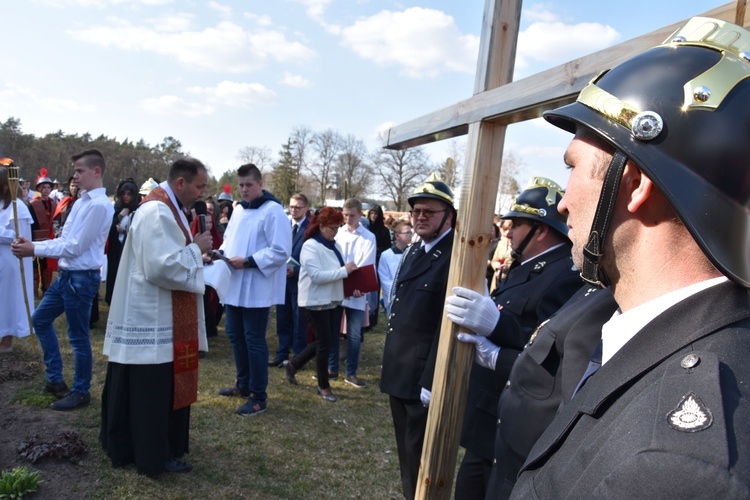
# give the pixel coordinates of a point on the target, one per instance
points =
(592, 252)
(440, 227)
(518, 252)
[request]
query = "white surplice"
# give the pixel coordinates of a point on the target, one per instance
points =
(155, 261)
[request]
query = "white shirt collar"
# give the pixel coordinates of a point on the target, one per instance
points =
(429, 246)
(542, 253)
(624, 326)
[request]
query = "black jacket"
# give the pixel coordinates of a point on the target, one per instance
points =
(545, 373)
(531, 293)
(297, 241)
(416, 314)
(667, 417)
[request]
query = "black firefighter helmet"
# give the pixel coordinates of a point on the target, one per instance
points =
(433, 188)
(538, 202)
(681, 112)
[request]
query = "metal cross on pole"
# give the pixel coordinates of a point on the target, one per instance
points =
(497, 102)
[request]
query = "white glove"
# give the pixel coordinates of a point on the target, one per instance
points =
(485, 354)
(471, 310)
(425, 396)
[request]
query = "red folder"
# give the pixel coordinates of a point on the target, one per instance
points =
(363, 279)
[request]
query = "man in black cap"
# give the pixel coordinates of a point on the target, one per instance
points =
(541, 279)
(414, 324)
(661, 142)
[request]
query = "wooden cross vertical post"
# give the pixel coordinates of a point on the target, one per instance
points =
(471, 245)
(496, 103)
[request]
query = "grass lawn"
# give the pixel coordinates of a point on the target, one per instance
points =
(301, 447)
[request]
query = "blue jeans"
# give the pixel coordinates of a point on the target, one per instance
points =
(246, 329)
(291, 326)
(354, 318)
(73, 293)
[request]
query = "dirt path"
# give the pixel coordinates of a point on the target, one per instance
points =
(61, 479)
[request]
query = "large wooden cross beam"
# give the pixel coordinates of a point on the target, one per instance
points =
(496, 103)
(528, 98)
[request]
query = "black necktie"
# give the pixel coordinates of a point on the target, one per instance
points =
(592, 368)
(295, 227)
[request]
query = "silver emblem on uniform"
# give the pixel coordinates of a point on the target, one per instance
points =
(540, 265)
(691, 415)
(690, 361)
(647, 125)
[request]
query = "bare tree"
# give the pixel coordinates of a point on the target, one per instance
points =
(450, 169)
(352, 167)
(301, 138)
(401, 171)
(326, 147)
(283, 180)
(261, 157)
(511, 169)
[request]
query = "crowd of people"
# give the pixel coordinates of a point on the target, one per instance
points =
(609, 347)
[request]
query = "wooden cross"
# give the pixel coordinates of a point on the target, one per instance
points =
(497, 102)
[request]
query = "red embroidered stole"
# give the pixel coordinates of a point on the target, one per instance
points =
(184, 325)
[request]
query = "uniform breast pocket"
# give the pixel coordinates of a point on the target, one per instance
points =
(430, 287)
(535, 371)
(515, 304)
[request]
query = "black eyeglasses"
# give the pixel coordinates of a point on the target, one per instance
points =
(426, 212)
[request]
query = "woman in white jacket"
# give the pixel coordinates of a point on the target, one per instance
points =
(320, 293)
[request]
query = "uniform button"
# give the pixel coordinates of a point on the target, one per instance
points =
(425, 284)
(507, 384)
(396, 299)
(494, 461)
(498, 421)
(690, 361)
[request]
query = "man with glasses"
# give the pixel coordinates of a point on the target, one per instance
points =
(290, 323)
(541, 279)
(414, 322)
(390, 259)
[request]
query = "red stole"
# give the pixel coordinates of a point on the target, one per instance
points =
(184, 325)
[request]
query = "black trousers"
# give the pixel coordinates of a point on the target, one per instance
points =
(325, 324)
(409, 422)
(138, 423)
(473, 477)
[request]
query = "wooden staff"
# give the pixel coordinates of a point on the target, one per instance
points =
(13, 185)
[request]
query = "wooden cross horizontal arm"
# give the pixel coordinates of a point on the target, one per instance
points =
(528, 98)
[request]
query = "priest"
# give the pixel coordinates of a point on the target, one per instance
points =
(155, 329)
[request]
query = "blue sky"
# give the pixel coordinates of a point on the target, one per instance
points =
(220, 76)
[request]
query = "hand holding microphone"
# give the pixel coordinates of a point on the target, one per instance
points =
(204, 239)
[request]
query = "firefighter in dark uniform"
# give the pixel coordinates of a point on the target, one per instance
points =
(540, 281)
(662, 140)
(545, 374)
(414, 324)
